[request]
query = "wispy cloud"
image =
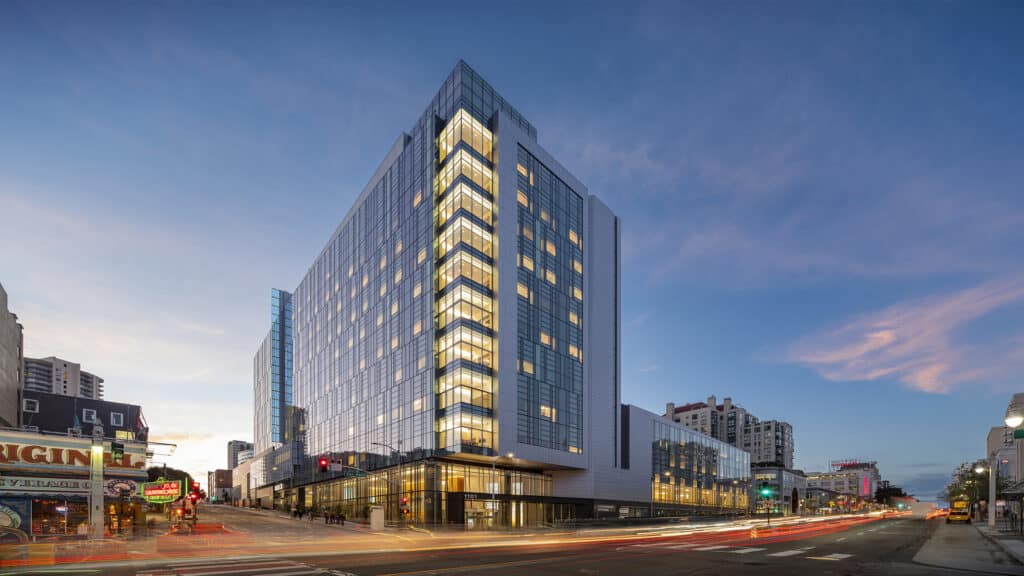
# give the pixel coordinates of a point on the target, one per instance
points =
(916, 342)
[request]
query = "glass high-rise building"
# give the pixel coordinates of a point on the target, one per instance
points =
(456, 341)
(272, 375)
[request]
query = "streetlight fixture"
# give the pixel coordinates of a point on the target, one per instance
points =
(1014, 413)
(401, 481)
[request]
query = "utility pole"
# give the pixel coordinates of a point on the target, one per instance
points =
(96, 484)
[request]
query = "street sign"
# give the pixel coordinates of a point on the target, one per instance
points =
(1018, 434)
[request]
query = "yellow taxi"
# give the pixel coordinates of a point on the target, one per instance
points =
(959, 512)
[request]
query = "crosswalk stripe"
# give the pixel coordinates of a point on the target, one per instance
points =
(707, 548)
(785, 553)
(746, 550)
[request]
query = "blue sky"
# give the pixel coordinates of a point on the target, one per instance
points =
(822, 203)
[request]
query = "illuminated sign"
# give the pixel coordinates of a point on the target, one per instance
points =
(31, 452)
(40, 485)
(161, 491)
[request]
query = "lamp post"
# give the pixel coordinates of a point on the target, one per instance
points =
(96, 484)
(1013, 419)
(401, 481)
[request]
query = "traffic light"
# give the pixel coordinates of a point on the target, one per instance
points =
(404, 508)
(766, 490)
(323, 464)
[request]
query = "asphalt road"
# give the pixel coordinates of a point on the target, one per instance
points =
(884, 547)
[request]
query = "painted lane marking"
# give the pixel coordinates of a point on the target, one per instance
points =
(833, 557)
(794, 552)
(709, 548)
(747, 550)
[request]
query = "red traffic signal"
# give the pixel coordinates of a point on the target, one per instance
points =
(323, 464)
(405, 500)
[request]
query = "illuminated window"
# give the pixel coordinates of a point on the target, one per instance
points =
(417, 405)
(526, 367)
(524, 200)
(574, 449)
(463, 197)
(462, 163)
(350, 342)
(417, 289)
(362, 333)
(548, 412)
(574, 352)
(394, 307)
(462, 264)
(577, 266)
(577, 293)
(380, 419)
(394, 342)
(351, 270)
(421, 363)
(549, 246)
(417, 327)
(383, 288)
(523, 290)
(380, 352)
(549, 275)
(366, 279)
(463, 127)
(545, 338)
(383, 261)
(398, 374)
(421, 255)
(380, 319)
(464, 231)
(398, 276)
(522, 170)
(527, 232)
(574, 318)
(544, 215)
(417, 198)
(526, 262)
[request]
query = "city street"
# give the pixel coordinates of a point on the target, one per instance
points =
(847, 546)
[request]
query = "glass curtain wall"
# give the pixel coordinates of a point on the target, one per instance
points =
(465, 336)
(694, 470)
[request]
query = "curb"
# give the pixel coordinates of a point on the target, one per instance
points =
(998, 542)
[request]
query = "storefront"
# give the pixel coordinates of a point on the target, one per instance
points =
(44, 486)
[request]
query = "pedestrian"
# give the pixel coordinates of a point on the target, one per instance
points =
(327, 518)
(342, 519)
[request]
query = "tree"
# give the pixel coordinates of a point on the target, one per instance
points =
(157, 472)
(884, 493)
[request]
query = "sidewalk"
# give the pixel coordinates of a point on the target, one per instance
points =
(963, 547)
(352, 525)
(1011, 544)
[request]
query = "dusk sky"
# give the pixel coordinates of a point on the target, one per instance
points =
(822, 204)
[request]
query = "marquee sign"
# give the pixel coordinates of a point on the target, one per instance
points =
(65, 486)
(31, 452)
(161, 491)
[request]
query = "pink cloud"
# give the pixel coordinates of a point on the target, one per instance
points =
(915, 342)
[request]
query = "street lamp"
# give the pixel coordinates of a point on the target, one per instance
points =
(979, 469)
(401, 481)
